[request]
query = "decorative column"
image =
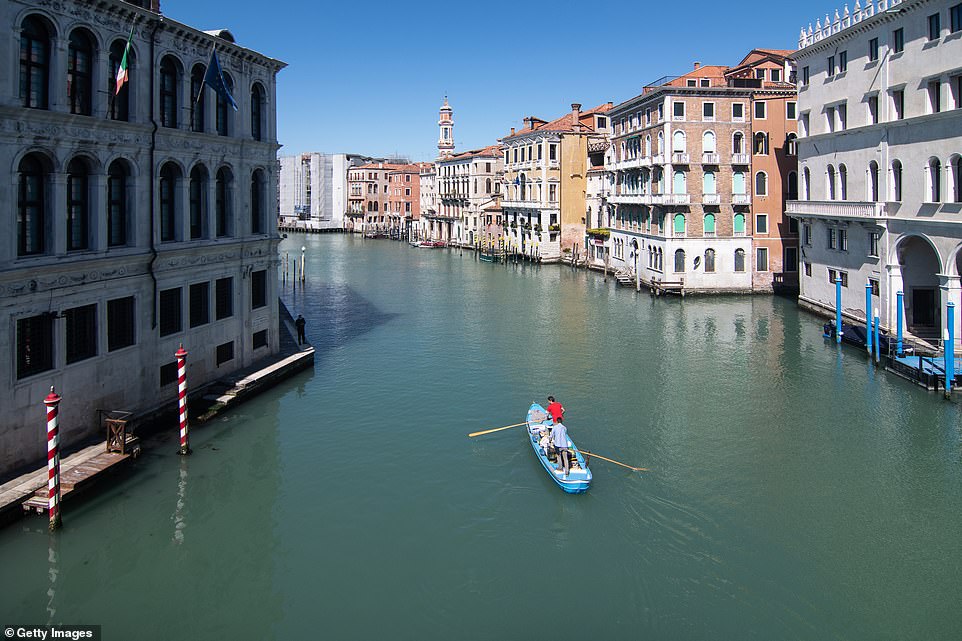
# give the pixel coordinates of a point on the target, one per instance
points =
(181, 355)
(53, 458)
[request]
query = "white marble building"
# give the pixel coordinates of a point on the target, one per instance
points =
(133, 224)
(880, 142)
(313, 189)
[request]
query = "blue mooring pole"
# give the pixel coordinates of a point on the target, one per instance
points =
(868, 318)
(950, 349)
(838, 310)
(875, 338)
(898, 310)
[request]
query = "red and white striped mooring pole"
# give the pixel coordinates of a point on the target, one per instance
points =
(182, 398)
(53, 458)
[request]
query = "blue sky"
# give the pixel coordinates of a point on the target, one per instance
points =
(368, 76)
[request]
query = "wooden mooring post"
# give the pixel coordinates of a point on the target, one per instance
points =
(52, 402)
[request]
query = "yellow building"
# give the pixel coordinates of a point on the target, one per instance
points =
(545, 177)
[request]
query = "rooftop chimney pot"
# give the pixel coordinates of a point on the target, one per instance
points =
(575, 112)
(697, 66)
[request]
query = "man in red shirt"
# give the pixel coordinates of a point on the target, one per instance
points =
(555, 410)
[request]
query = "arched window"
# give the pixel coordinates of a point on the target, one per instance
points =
(806, 184)
(738, 143)
(679, 261)
(198, 201)
(708, 183)
(738, 225)
(119, 101)
(678, 145)
(660, 259)
(709, 261)
(224, 107)
(169, 86)
(933, 181)
(257, 112)
(678, 183)
(739, 260)
(198, 102)
(80, 55)
(32, 213)
(169, 183)
(34, 63)
(78, 205)
(661, 143)
(843, 182)
(679, 225)
(873, 195)
(791, 144)
(708, 142)
(738, 183)
(117, 204)
(830, 182)
(647, 145)
(761, 184)
(896, 191)
(709, 228)
(524, 186)
(487, 185)
(955, 166)
(258, 206)
(792, 185)
(761, 144)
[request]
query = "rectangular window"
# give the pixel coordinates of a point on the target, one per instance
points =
(259, 289)
(898, 40)
(761, 259)
(761, 223)
(647, 116)
(873, 50)
(170, 312)
(808, 269)
(804, 76)
(661, 112)
(259, 339)
(842, 111)
(34, 345)
(935, 96)
(776, 75)
(843, 240)
(872, 110)
(807, 233)
(759, 74)
(803, 125)
(760, 110)
(832, 238)
(168, 374)
(935, 27)
(835, 275)
(552, 193)
(842, 61)
(791, 110)
(691, 82)
(955, 87)
(120, 323)
(678, 110)
(738, 112)
(225, 353)
(955, 18)
(873, 238)
(791, 259)
(898, 103)
(552, 152)
(705, 82)
(830, 65)
(199, 294)
(708, 111)
(81, 338)
(830, 118)
(874, 283)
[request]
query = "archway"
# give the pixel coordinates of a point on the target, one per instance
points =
(919, 266)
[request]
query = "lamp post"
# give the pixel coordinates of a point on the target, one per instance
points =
(303, 251)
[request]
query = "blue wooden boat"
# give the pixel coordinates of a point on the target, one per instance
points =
(579, 476)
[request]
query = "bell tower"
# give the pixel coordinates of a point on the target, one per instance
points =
(446, 124)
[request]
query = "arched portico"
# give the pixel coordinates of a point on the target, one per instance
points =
(917, 272)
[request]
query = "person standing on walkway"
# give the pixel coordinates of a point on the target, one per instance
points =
(559, 438)
(555, 409)
(299, 324)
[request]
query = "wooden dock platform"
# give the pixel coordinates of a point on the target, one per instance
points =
(78, 471)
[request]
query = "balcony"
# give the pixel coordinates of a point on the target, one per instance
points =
(658, 159)
(680, 158)
(710, 159)
(521, 204)
(741, 159)
(677, 199)
(630, 199)
(741, 199)
(842, 210)
(711, 199)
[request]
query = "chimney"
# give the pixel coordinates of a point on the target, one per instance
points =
(697, 65)
(527, 123)
(512, 131)
(575, 112)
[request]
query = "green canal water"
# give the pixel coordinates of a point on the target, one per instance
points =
(794, 492)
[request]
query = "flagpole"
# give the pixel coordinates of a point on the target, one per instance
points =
(123, 60)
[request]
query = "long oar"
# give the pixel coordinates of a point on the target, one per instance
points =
(497, 429)
(603, 458)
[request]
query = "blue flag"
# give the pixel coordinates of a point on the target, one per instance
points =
(214, 78)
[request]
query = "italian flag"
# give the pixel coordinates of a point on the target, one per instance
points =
(122, 75)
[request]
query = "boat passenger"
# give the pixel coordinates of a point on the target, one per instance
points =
(545, 441)
(559, 437)
(555, 409)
